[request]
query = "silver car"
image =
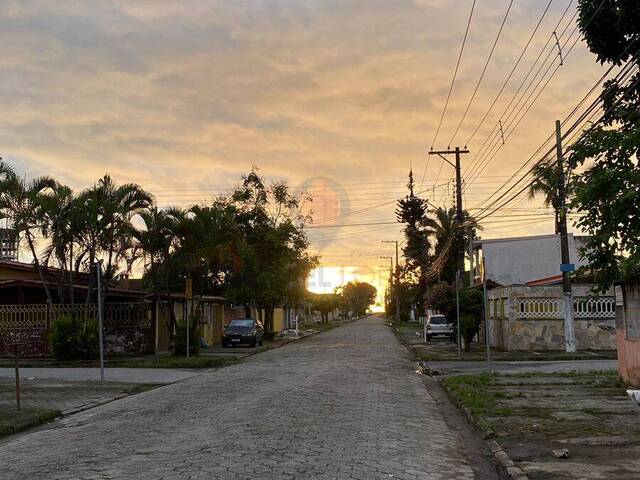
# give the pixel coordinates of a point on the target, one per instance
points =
(439, 326)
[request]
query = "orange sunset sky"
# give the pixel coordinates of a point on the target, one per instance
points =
(338, 97)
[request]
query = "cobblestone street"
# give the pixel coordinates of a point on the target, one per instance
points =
(345, 404)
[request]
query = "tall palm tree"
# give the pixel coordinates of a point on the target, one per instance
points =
(60, 225)
(545, 182)
(21, 201)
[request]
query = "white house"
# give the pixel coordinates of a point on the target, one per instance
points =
(523, 260)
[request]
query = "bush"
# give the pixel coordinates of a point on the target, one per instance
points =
(181, 335)
(73, 339)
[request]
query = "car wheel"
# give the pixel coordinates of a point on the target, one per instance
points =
(252, 343)
(224, 345)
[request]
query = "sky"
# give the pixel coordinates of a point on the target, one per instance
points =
(337, 97)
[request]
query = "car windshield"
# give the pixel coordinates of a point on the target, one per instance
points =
(241, 323)
(438, 321)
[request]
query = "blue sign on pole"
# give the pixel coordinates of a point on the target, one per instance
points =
(567, 267)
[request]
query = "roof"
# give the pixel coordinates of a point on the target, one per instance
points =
(23, 266)
(38, 284)
(553, 280)
(480, 242)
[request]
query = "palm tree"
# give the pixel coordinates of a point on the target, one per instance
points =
(444, 226)
(545, 182)
(60, 225)
(21, 201)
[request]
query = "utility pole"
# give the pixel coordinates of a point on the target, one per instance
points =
(397, 277)
(390, 269)
(100, 318)
(485, 314)
(566, 267)
(459, 212)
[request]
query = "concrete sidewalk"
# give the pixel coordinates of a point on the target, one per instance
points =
(120, 375)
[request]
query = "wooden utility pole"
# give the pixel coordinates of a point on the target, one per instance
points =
(459, 211)
(566, 267)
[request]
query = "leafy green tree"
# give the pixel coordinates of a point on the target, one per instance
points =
(325, 303)
(442, 298)
(357, 296)
(274, 256)
(608, 180)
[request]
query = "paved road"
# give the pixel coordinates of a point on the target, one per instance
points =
(522, 367)
(345, 404)
(121, 375)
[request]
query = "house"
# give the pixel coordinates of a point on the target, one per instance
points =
(525, 297)
(20, 284)
(521, 260)
(208, 309)
(628, 332)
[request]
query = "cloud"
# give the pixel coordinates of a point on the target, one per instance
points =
(189, 95)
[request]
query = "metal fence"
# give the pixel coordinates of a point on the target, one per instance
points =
(29, 325)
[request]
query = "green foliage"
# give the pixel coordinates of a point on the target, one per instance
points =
(324, 303)
(181, 336)
(356, 297)
(442, 298)
(73, 339)
(606, 189)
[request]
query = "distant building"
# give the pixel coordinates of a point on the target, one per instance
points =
(8, 244)
(523, 260)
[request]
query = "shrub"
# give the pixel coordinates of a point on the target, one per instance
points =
(181, 335)
(73, 339)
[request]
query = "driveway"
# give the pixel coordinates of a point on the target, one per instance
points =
(345, 404)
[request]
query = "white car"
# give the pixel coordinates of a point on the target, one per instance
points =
(439, 326)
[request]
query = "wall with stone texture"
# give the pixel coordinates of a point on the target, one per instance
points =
(508, 331)
(530, 334)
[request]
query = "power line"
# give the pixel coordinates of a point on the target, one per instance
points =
(455, 73)
(484, 70)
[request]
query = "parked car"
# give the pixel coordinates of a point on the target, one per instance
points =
(439, 326)
(243, 331)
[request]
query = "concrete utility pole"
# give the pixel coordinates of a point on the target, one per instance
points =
(459, 212)
(100, 318)
(397, 277)
(391, 270)
(566, 267)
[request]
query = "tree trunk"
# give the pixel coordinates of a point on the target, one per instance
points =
(268, 320)
(36, 263)
(72, 293)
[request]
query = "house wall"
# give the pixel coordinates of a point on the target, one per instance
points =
(512, 327)
(518, 261)
(628, 332)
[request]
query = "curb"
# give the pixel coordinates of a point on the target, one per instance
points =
(506, 468)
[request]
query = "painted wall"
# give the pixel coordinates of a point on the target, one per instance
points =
(628, 332)
(521, 260)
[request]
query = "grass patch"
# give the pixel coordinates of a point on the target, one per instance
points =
(473, 392)
(12, 421)
(195, 362)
